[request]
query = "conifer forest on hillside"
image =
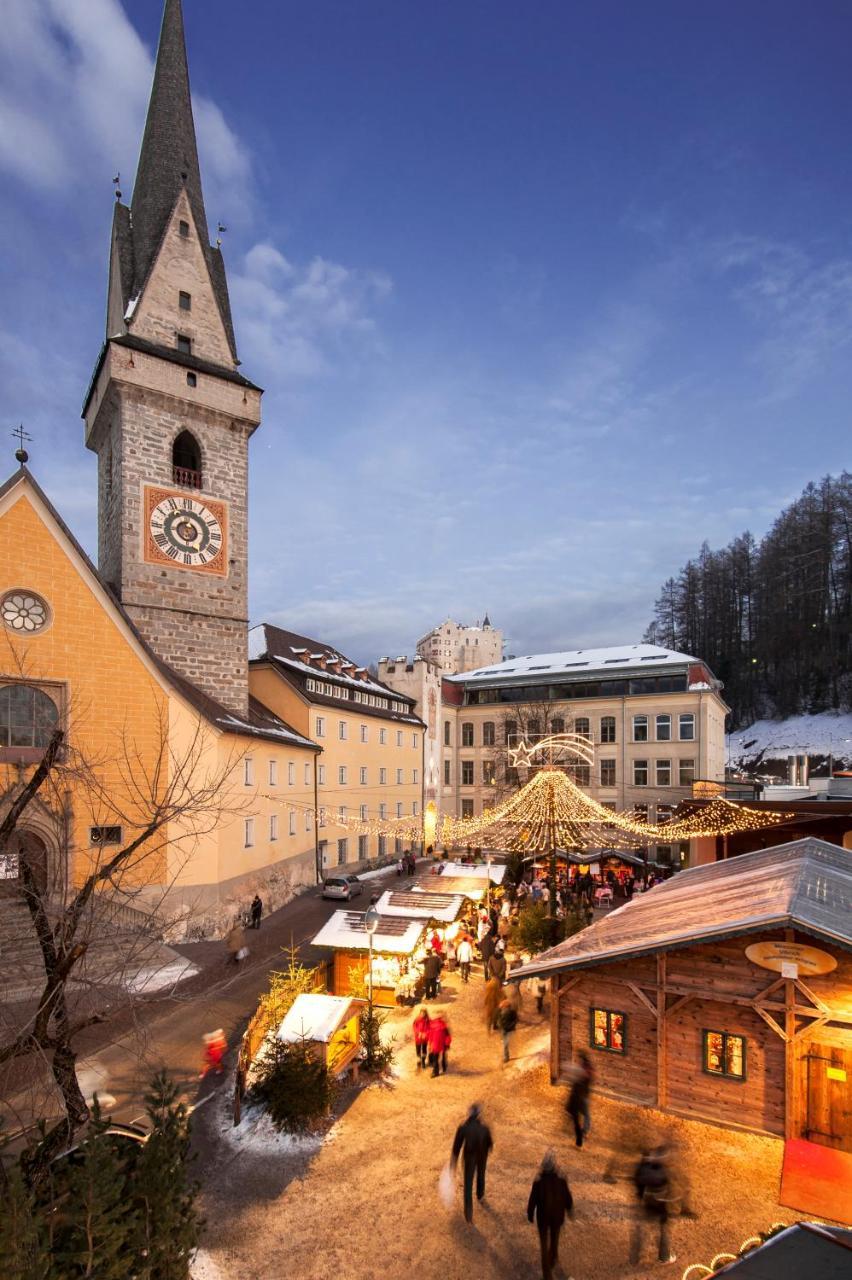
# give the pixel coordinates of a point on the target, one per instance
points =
(772, 618)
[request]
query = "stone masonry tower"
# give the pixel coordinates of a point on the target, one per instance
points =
(168, 413)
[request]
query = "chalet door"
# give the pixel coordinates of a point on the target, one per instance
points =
(828, 1083)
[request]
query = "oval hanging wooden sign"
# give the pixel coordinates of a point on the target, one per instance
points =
(773, 955)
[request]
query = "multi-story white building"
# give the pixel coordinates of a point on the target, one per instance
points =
(420, 680)
(453, 647)
(656, 720)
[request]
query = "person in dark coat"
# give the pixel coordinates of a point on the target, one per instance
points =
(497, 966)
(256, 911)
(507, 1021)
(431, 972)
(486, 950)
(656, 1195)
(473, 1140)
(578, 1102)
(550, 1200)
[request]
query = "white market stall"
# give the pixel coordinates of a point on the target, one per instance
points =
(395, 942)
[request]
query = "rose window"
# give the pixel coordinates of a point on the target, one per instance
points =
(23, 611)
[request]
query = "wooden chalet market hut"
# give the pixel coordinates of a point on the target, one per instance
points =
(394, 944)
(724, 994)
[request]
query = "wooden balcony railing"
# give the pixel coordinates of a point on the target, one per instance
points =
(186, 477)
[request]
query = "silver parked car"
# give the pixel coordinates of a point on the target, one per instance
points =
(345, 887)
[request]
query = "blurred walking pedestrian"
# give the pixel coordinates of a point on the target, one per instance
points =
(473, 1141)
(215, 1047)
(440, 1039)
(491, 1002)
(497, 966)
(577, 1104)
(431, 972)
(464, 952)
(656, 1203)
(236, 944)
(421, 1037)
(507, 1020)
(540, 988)
(550, 1200)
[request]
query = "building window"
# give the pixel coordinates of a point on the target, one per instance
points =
(665, 812)
(640, 812)
(399, 737)
(467, 734)
(664, 773)
(686, 727)
(24, 612)
(414, 741)
(446, 773)
(28, 717)
(320, 731)
(664, 728)
(307, 819)
(307, 775)
(185, 300)
(248, 771)
(342, 850)
(341, 812)
(249, 837)
(686, 773)
(489, 770)
(342, 730)
(467, 809)
(582, 727)
(383, 777)
(292, 822)
(640, 773)
(511, 732)
(183, 228)
(446, 733)
(363, 848)
(273, 773)
(186, 461)
(607, 728)
(397, 845)
(365, 733)
(488, 733)
(191, 380)
(664, 854)
(608, 1030)
(467, 773)
(105, 835)
(414, 776)
(399, 777)
(582, 775)
(533, 730)
(341, 775)
(383, 737)
(291, 774)
(184, 344)
(362, 776)
(399, 808)
(362, 813)
(273, 826)
(414, 808)
(608, 773)
(640, 728)
(321, 816)
(383, 846)
(724, 1054)
(321, 775)
(383, 812)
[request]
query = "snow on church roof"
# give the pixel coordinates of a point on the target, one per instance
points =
(633, 657)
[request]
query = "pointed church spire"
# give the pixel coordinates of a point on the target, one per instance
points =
(169, 156)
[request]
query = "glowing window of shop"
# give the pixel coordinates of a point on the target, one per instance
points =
(724, 1054)
(24, 612)
(608, 1030)
(28, 717)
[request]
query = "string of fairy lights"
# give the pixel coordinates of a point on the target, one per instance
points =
(549, 812)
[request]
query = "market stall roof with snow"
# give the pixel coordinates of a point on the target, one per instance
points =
(416, 904)
(313, 1016)
(346, 931)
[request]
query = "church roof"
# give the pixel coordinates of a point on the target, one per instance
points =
(168, 164)
(260, 721)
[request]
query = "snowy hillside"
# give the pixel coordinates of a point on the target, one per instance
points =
(828, 732)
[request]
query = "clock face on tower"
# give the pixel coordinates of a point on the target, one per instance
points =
(185, 531)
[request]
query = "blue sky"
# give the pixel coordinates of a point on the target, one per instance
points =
(541, 295)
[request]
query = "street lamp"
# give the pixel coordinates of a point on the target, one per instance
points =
(371, 924)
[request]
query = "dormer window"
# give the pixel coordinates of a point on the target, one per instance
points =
(183, 227)
(184, 344)
(185, 300)
(186, 461)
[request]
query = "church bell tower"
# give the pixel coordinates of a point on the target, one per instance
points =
(169, 414)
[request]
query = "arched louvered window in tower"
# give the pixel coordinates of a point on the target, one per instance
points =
(186, 461)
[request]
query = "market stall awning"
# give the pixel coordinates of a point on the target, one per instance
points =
(474, 871)
(446, 886)
(314, 1016)
(806, 885)
(417, 904)
(346, 931)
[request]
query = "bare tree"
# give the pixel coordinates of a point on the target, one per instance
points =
(529, 722)
(163, 800)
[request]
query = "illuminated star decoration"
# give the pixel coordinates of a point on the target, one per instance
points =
(556, 745)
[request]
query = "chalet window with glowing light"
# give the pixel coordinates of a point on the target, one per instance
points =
(724, 1054)
(608, 1030)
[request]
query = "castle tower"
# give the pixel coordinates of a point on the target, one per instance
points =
(168, 413)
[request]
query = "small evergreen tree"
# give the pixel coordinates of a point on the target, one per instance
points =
(95, 1236)
(378, 1053)
(24, 1241)
(168, 1224)
(294, 1084)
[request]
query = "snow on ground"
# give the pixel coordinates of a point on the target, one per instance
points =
(204, 1268)
(161, 977)
(826, 732)
(257, 1135)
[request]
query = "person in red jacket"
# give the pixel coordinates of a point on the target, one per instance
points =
(439, 1042)
(422, 1024)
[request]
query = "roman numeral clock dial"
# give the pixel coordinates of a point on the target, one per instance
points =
(185, 531)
